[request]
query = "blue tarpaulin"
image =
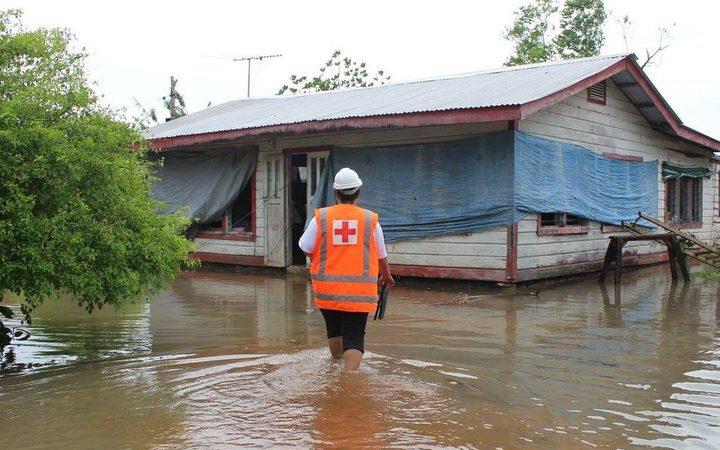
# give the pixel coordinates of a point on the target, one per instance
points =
(553, 176)
(494, 179)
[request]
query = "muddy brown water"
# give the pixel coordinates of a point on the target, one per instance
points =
(228, 360)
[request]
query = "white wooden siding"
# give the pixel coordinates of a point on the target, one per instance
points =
(616, 127)
(485, 249)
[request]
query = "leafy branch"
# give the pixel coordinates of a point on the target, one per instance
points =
(338, 72)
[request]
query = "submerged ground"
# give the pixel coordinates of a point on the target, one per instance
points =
(228, 359)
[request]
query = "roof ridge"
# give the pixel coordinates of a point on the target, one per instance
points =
(444, 77)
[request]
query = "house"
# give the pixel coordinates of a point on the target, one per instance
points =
(542, 161)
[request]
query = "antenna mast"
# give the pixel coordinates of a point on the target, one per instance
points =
(249, 59)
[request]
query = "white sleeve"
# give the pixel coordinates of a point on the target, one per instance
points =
(380, 242)
(307, 240)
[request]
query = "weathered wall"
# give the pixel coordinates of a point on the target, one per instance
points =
(617, 127)
(485, 249)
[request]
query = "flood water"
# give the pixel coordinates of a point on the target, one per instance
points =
(238, 360)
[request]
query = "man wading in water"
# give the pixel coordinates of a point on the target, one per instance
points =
(347, 250)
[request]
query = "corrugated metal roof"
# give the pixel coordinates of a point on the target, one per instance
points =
(507, 86)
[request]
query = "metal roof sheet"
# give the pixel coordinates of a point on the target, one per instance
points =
(507, 86)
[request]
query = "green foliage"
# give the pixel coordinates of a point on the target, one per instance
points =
(533, 33)
(710, 274)
(339, 72)
(581, 25)
(530, 33)
(75, 215)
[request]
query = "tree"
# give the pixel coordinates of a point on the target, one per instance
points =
(174, 103)
(75, 214)
(580, 31)
(339, 72)
(530, 33)
(627, 25)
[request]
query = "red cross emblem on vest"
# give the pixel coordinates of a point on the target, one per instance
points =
(345, 232)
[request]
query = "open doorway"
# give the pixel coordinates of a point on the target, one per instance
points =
(298, 204)
(306, 169)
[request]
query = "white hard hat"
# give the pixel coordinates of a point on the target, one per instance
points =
(347, 180)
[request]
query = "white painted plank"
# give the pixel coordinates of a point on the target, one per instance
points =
(484, 262)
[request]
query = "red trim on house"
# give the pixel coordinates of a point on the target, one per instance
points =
(242, 260)
(224, 223)
(451, 117)
(554, 230)
(500, 275)
(680, 225)
(623, 157)
(457, 273)
(511, 268)
(549, 100)
(558, 231)
(227, 236)
(596, 101)
(600, 101)
(463, 273)
(688, 225)
(607, 228)
(317, 148)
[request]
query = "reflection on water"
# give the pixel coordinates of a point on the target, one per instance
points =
(227, 359)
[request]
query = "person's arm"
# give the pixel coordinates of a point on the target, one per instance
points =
(385, 276)
(384, 268)
(307, 240)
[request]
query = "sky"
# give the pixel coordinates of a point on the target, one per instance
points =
(135, 46)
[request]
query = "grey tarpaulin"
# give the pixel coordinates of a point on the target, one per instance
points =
(493, 179)
(203, 183)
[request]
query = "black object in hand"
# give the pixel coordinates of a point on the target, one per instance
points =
(382, 303)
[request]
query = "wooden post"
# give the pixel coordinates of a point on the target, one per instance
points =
(672, 257)
(681, 259)
(609, 257)
(619, 261)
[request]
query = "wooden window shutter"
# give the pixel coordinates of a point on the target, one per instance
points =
(597, 93)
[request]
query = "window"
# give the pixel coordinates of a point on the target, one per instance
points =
(272, 172)
(238, 221)
(597, 93)
(561, 223)
(683, 201)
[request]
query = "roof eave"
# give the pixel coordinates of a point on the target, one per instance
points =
(416, 119)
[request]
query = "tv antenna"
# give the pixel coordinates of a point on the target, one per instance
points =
(249, 59)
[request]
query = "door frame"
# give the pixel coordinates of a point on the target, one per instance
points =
(288, 152)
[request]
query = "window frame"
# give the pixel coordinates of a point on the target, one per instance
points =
(695, 197)
(595, 100)
(239, 233)
(563, 228)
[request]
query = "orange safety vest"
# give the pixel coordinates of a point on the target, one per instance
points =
(344, 267)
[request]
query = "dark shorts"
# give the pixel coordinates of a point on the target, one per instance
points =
(348, 325)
